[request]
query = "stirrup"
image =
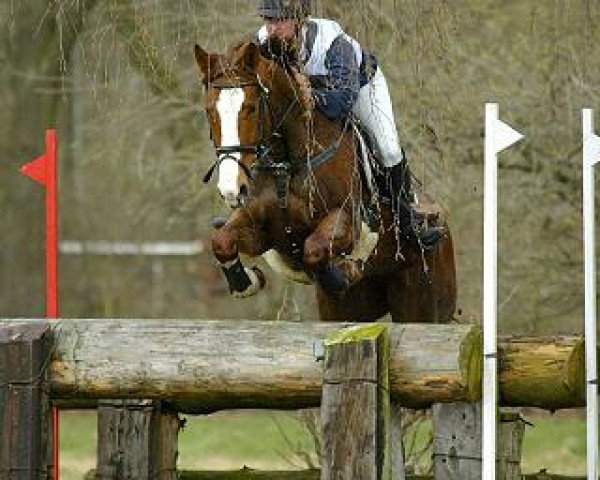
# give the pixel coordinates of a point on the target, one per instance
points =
(422, 236)
(431, 236)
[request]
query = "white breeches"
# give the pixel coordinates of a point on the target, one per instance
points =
(374, 109)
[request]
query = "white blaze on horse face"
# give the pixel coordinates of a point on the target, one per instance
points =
(229, 105)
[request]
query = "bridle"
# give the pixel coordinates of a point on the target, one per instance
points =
(263, 145)
(281, 171)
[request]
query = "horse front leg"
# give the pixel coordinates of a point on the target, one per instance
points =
(241, 233)
(332, 237)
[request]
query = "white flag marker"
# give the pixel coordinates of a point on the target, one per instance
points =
(591, 156)
(498, 136)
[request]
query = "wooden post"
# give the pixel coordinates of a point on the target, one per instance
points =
(355, 408)
(510, 442)
(25, 428)
(396, 444)
(136, 440)
(457, 441)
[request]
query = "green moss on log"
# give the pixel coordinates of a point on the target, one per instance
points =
(471, 362)
(356, 333)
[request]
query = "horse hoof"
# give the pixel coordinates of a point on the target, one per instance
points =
(332, 280)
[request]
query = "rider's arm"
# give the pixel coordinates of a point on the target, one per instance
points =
(336, 99)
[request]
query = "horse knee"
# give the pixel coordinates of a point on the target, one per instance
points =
(224, 246)
(316, 252)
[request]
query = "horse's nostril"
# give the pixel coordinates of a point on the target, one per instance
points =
(244, 191)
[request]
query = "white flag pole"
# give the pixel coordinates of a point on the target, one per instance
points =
(591, 155)
(490, 250)
(498, 136)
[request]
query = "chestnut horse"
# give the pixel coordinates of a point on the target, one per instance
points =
(292, 178)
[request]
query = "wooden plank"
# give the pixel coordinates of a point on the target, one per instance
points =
(510, 444)
(355, 409)
(204, 366)
(396, 441)
(457, 441)
(136, 440)
(25, 427)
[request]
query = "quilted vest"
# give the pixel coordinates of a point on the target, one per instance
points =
(313, 56)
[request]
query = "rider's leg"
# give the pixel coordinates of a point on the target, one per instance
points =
(417, 233)
(374, 109)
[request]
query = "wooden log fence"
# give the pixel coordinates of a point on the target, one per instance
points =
(205, 366)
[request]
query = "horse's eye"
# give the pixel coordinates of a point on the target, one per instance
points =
(251, 109)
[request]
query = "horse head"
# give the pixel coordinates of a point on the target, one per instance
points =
(242, 105)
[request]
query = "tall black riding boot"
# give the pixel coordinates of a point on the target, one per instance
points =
(418, 234)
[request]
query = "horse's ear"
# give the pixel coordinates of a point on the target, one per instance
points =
(201, 57)
(206, 61)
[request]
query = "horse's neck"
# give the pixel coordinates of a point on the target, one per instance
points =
(309, 136)
(290, 122)
(304, 136)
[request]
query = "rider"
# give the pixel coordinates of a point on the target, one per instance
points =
(346, 78)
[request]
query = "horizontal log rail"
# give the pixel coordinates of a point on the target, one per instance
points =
(207, 365)
(204, 366)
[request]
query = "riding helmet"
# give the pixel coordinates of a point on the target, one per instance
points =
(298, 9)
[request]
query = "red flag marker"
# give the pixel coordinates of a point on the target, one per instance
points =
(36, 170)
(43, 170)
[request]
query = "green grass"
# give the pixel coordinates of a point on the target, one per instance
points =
(230, 440)
(556, 443)
(255, 439)
(77, 444)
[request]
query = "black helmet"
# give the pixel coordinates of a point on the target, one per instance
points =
(298, 9)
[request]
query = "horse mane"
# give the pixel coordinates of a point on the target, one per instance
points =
(241, 50)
